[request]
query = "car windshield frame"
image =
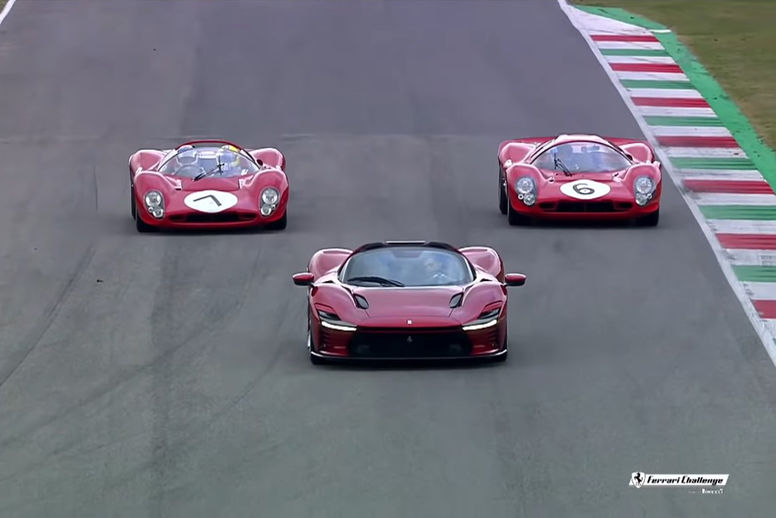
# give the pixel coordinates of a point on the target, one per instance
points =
(404, 275)
(539, 153)
(209, 146)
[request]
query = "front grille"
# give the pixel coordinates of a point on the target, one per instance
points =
(409, 343)
(221, 217)
(591, 206)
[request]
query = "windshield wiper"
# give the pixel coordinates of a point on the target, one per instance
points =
(200, 176)
(379, 280)
(557, 162)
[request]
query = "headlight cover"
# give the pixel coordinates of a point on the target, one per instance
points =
(526, 190)
(154, 202)
(644, 187)
(485, 320)
(332, 321)
(268, 201)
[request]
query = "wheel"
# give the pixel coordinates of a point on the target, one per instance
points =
(280, 224)
(502, 194)
(650, 220)
(503, 357)
(315, 360)
(132, 201)
(515, 218)
(141, 225)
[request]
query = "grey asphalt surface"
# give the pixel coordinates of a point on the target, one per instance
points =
(166, 375)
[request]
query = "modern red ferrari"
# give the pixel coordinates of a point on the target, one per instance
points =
(407, 300)
(207, 184)
(580, 177)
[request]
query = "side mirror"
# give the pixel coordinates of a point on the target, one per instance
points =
(514, 279)
(303, 279)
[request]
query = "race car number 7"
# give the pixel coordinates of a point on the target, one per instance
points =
(585, 189)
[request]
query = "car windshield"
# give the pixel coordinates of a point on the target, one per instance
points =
(216, 160)
(407, 266)
(581, 157)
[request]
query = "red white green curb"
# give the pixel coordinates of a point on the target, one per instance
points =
(724, 172)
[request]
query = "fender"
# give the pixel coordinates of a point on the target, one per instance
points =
(269, 156)
(327, 259)
(485, 258)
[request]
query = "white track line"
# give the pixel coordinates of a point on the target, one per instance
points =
(708, 198)
(640, 45)
(6, 9)
(760, 290)
(765, 332)
(674, 112)
(650, 76)
(705, 152)
(691, 131)
(755, 257)
(742, 226)
(710, 174)
(641, 59)
(671, 93)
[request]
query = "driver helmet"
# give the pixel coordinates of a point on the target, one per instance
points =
(229, 156)
(187, 156)
(432, 264)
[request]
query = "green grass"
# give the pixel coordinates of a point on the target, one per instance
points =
(734, 39)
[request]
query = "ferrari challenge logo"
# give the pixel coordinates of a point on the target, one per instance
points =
(210, 201)
(716, 481)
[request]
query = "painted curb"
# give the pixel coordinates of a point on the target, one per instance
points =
(723, 170)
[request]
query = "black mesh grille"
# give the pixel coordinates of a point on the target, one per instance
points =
(222, 217)
(410, 343)
(588, 206)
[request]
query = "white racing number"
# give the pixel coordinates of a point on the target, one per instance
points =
(585, 189)
(210, 201)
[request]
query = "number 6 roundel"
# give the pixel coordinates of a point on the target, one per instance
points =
(585, 189)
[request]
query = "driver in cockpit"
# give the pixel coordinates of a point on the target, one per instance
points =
(230, 161)
(187, 162)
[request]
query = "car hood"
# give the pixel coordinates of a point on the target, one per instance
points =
(392, 303)
(216, 184)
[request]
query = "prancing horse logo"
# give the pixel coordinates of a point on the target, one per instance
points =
(409, 322)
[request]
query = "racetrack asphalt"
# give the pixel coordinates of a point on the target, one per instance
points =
(166, 375)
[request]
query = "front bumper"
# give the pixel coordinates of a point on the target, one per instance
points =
(617, 207)
(447, 343)
(200, 220)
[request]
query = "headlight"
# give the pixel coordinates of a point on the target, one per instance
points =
(525, 185)
(269, 196)
(485, 320)
(644, 187)
(526, 190)
(154, 202)
(332, 321)
(269, 200)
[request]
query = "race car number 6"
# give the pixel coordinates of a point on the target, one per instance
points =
(585, 189)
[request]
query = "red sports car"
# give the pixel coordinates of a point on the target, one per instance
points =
(579, 177)
(206, 184)
(407, 300)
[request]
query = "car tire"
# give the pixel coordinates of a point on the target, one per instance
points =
(141, 225)
(650, 220)
(502, 195)
(315, 360)
(132, 205)
(515, 218)
(280, 224)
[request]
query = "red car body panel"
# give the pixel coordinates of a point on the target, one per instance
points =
(247, 189)
(406, 311)
(552, 203)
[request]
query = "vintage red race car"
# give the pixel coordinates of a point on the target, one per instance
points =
(579, 177)
(206, 184)
(407, 300)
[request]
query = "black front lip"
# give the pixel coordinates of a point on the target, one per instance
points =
(344, 359)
